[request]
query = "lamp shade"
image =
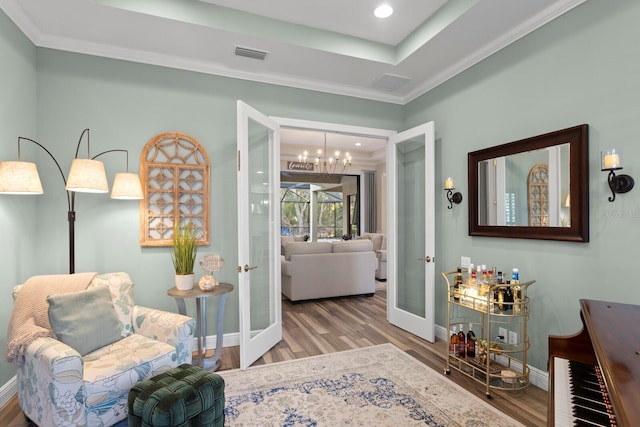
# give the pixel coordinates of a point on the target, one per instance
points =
(87, 176)
(126, 186)
(19, 178)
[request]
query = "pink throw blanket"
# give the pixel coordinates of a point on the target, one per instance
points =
(30, 316)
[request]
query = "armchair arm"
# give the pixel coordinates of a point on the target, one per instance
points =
(172, 328)
(50, 384)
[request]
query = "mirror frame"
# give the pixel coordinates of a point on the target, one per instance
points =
(578, 139)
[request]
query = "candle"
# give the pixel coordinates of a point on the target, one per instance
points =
(448, 184)
(611, 161)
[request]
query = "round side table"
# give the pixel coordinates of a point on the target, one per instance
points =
(211, 362)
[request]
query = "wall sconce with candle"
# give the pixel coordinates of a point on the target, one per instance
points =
(451, 196)
(611, 160)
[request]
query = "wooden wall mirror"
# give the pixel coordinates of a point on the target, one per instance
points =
(535, 188)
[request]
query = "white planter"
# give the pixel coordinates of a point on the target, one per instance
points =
(184, 282)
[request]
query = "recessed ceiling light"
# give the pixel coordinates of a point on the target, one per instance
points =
(358, 144)
(383, 11)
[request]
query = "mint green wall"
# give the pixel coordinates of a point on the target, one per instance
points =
(581, 68)
(125, 104)
(17, 213)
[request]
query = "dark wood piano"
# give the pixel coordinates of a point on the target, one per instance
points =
(594, 376)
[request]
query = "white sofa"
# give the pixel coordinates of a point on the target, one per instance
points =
(312, 270)
(379, 242)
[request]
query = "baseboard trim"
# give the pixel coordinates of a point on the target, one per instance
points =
(228, 340)
(8, 390)
(537, 377)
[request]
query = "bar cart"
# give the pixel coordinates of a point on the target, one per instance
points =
(500, 361)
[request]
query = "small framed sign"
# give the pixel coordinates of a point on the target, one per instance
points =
(301, 166)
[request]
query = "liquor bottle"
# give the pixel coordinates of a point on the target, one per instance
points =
(471, 342)
(462, 346)
(471, 278)
(515, 291)
(517, 300)
(483, 285)
(453, 343)
(457, 283)
(500, 298)
(492, 277)
(508, 298)
(496, 291)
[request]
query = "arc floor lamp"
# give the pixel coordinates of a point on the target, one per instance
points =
(85, 176)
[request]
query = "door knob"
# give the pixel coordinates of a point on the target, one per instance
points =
(246, 268)
(427, 259)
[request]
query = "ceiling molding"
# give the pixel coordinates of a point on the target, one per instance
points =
(44, 40)
(527, 27)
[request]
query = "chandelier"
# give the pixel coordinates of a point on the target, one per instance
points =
(328, 165)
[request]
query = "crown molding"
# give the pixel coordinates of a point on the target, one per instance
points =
(40, 39)
(533, 23)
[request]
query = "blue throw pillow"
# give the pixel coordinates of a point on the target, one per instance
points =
(84, 320)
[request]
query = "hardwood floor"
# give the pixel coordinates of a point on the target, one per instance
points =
(328, 326)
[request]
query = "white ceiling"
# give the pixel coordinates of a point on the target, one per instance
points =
(335, 46)
(362, 150)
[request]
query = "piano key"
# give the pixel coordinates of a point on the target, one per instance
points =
(578, 401)
(588, 415)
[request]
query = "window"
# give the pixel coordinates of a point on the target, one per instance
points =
(295, 209)
(174, 170)
(330, 211)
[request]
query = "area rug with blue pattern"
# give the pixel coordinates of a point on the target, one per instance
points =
(373, 386)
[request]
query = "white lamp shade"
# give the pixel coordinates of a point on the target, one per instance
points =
(87, 176)
(19, 178)
(126, 186)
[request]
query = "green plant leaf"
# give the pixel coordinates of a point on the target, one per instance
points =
(185, 248)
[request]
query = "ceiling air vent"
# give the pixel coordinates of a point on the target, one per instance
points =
(390, 82)
(251, 53)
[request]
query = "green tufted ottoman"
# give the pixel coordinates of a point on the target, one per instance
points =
(183, 396)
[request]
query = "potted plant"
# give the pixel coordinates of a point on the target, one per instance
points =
(184, 254)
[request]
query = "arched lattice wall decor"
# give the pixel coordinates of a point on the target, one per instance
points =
(174, 169)
(539, 196)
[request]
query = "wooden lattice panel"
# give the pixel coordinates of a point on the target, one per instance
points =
(174, 168)
(539, 196)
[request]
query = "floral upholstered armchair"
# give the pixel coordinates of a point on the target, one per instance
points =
(59, 386)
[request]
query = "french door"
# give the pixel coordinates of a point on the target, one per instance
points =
(411, 231)
(258, 166)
